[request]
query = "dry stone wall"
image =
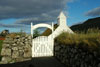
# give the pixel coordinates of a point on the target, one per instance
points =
(16, 49)
(77, 56)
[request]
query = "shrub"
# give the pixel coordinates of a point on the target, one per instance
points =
(36, 33)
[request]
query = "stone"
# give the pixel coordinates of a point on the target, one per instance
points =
(21, 44)
(15, 40)
(57, 48)
(95, 53)
(21, 52)
(23, 38)
(26, 39)
(15, 54)
(30, 41)
(27, 46)
(29, 37)
(12, 61)
(18, 40)
(26, 42)
(8, 41)
(6, 45)
(28, 54)
(18, 36)
(20, 59)
(20, 48)
(27, 51)
(14, 44)
(5, 60)
(14, 48)
(6, 52)
(99, 65)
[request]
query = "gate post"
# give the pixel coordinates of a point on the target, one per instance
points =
(52, 28)
(31, 29)
(52, 37)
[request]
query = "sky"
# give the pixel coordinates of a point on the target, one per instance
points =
(18, 14)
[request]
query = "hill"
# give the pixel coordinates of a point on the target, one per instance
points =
(93, 23)
(89, 24)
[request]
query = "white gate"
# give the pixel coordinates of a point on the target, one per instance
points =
(42, 45)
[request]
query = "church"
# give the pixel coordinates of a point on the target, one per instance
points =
(62, 26)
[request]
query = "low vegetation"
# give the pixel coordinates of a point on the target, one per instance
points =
(1, 42)
(36, 33)
(90, 39)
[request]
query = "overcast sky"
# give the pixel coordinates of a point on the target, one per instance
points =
(18, 14)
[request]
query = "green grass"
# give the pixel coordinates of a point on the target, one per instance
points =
(90, 39)
(1, 42)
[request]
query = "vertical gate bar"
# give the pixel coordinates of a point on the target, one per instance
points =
(52, 39)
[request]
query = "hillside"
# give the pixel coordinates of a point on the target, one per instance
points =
(90, 23)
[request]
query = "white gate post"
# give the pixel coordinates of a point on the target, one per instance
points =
(52, 28)
(52, 37)
(32, 29)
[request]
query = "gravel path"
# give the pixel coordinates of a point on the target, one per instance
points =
(37, 62)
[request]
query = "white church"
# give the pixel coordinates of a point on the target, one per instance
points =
(44, 45)
(62, 25)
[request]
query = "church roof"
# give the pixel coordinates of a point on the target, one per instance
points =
(61, 14)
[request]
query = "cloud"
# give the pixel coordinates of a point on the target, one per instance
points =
(94, 12)
(43, 18)
(32, 10)
(25, 8)
(11, 25)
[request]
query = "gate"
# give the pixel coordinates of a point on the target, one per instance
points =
(42, 45)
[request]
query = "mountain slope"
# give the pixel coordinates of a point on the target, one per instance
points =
(90, 23)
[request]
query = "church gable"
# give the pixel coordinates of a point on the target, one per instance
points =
(60, 27)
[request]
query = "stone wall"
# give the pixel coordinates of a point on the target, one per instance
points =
(77, 56)
(16, 49)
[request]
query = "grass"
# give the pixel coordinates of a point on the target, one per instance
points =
(90, 39)
(1, 42)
